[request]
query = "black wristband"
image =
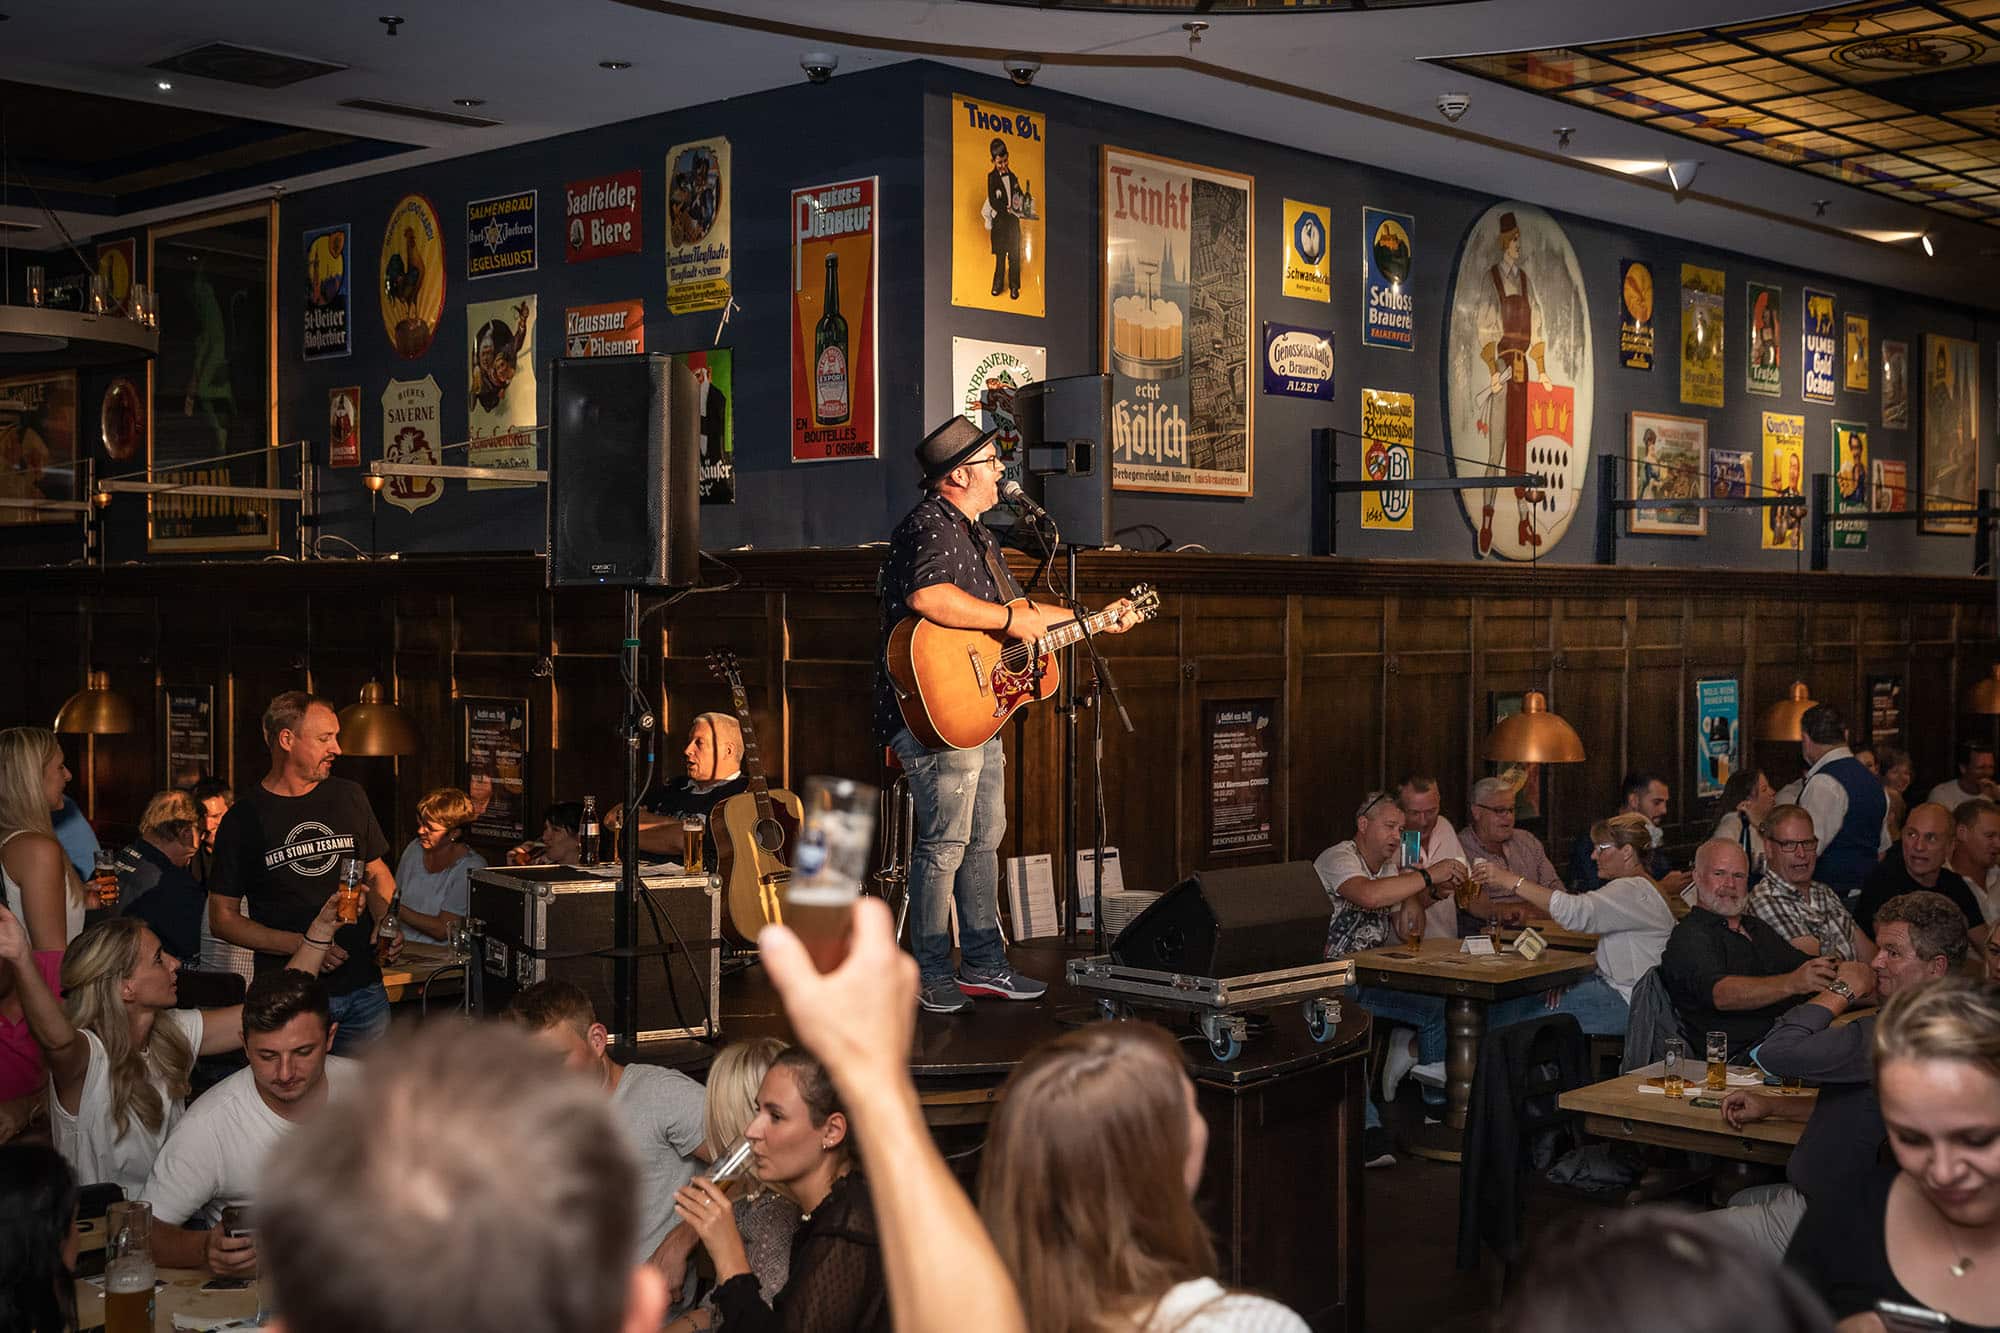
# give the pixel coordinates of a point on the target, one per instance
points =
(1008, 623)
(1427, 877)
(322, 943)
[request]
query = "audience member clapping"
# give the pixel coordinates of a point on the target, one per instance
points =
(1925, 1231)
(38, 1240)
(1087, 1188)
(42, 887)
(466, 1185)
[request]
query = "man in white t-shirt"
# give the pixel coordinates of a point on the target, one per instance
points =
(660, 1110)
(1422, 804)
(1974, 780)
(215, 1153)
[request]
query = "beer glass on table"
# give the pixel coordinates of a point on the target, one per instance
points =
(1671, 1067)
(693, 829)
(349, 906)
(1718, 1062)
(835, 837)
(128, 1268)
(104, 877)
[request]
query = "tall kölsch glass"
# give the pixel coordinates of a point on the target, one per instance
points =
(836, 837)
(128, 1268)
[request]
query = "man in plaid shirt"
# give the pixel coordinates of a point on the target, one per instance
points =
(1790, 901)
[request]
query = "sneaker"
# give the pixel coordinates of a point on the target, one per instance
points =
(942, 996)
(1430, 1075)
(1002, 983)
(1402, 1058)
(1376, 1148)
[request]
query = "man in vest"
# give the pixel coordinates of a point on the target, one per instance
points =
(1849, 809)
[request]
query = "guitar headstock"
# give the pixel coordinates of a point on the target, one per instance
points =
(1145, 600)
(723, 663)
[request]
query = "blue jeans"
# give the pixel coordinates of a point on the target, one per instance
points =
(1425, 1013)
(363, 1016)
(1598, 1009)
(961, 811)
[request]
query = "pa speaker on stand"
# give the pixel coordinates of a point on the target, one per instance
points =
(624, 478)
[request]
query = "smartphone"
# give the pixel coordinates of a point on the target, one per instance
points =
(1900, 1318)
(1413, 848)
(1706, 1103)
(236, 1221)
(227, 1284)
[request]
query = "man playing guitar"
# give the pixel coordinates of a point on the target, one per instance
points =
(945, 566)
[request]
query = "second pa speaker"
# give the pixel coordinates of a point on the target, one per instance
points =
(1231, 923)
(624, 478)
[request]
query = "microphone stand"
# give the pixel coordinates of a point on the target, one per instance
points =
(1101, 682)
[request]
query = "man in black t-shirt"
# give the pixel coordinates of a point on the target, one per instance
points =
(1917, 863)
(712, 772)
(281, 845)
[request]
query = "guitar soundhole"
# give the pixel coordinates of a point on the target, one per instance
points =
(770, 835)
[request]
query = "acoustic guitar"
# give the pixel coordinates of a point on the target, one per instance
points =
(756, 831)
(958, 687)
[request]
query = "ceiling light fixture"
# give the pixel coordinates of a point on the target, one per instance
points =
(1930, 247)
(390, 22)
(1819, 207)
(614, 64)
(1680, 176)
(163, 85)
(1562, 136)
(1194, 28)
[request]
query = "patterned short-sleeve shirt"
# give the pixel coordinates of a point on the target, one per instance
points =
(935, 543)
(1818, 912)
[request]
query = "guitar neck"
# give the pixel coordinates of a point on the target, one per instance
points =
(1070, 631)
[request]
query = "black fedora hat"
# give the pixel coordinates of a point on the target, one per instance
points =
(949, 445)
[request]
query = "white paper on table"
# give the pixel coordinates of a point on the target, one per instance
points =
(1031, 896)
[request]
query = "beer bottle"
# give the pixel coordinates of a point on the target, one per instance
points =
(586, 834)
(392, 927)
(831, 397)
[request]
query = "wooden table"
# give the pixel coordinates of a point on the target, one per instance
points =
(181, 1295)
(1616, 1109)
(1467, 983)
(404, 979)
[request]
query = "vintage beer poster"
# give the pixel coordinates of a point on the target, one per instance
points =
(115, 263)
(1176, 337)
(343, 427)
(500, 235)
(329, 305)
(715, 385)
(1855, 340)
(1729, 474)
(998, 257)
(1298, 361)
(986, 376)
(1307, 263)
(38, 433)
(410, 284)
(613, 328)
(1388, 443)
(1389, 309)
(410, 434)
(700, 201)
(1851, 483)
(1635, 315)
(601, 217)
(1889, 480)
(190, 732)
(495, 766)
(1519, 379)
(1701, 336)
(1895, 385)
(1951, 429)
(1242, 755)
(1764, 372)
(1668, 460)
(1718, 738)
(1784, 474)
(835, 254)
(500, 387)
(1819, 365)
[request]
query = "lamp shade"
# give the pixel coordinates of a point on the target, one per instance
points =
(1780, 722)
(1534, 736)
(96, 709)
(1986, 694)
(375, 726)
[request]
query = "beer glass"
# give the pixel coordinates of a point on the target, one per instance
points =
(38, 284)
(692, 829)
(349, 906)
(835, 836)
(1671, 1067)
(104, 877)
(1412, 925)
(128, 1268)
(1718, 1062)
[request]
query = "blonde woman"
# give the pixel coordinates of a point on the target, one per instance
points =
(118, 1059)
(434, 875)
(41, 886)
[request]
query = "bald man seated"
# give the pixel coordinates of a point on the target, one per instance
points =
(713, 772)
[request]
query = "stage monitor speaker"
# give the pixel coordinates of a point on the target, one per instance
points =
(1231, 923)
(1066, 440)
(624, 482)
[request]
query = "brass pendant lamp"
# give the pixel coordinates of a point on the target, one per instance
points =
(375, 726)
(1534, 735)
(1985, 697)
(1780, 722)
(96, 709)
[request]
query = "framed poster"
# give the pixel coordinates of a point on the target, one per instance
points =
(501, 235)
(836, 255)
(714, 371)
(1176, 336)
(493, 766)
(700, 199)
(1240, 742)
(1667, 459)
(1764, 373)
(410, 279)
(1718, 741)
(1388, 443)
(1701, 336)
(1729, 474)
(1304, 245)
(38, 444)
(1388, 249)
(1851, 488)
(1784, 474)
(1895, 385)
(1818, 365)
(213, 388)
(1951, 429)
(1855, 340)
(998, 261)
(1635, 315)
(500, 387)
(329, 298)
(189, 714)
(1889, 478)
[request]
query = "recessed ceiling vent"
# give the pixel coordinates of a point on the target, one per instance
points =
(419, 113)
(230, 63)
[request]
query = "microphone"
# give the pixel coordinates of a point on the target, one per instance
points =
(1018, 501)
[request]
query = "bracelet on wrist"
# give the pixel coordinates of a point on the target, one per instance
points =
(322, 943)
(1008, 623)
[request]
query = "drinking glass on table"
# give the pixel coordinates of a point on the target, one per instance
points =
(104, 877)
(128, 1268)
(836, 836)
(693, 827)
(1671, 1067)
(1718, 1062)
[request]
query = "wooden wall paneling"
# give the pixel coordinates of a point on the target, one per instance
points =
(1428, 726)
(1929, 713)
(1589, 693)
(1337, 734)
(1146, 772)
(1238, 647)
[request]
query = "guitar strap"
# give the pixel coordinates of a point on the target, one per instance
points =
(996, 564)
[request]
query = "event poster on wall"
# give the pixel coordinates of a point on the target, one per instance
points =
(1764, 373)
(835, 254)
(699, 202)
(329, 297)
(190, 733)
(1388, 444)
(1885, 710)
(1820, 365)
(1718, 735)
(987, 375)
(410, 434)
(1851, 489)
(494, 766)
(1635, 315)
(998, 153)
(500, 387)
(1951, 428)
(1388, 249)
(1701, 336)
(1784, 474)
(1176, 337)
(1242, 744)
(1307, 273)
